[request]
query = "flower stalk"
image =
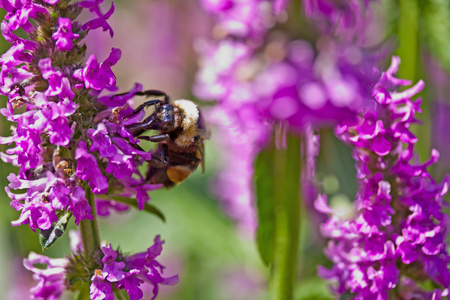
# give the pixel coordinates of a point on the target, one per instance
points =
(89, 229)
(287, 166)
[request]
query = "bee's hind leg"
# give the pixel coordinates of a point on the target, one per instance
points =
(159, 159)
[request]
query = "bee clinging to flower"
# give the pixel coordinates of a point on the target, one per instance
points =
(181, 136)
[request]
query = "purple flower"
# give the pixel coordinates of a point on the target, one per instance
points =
(114, 271)
(79, 205)
(101, 20)
(149, 270)
(121, 166)
(53, 118)
(111, 268)
(35, 212)
(104, 207)
(120, 100)
(99, 76)
(19, 12)
(101, 141)
(88, 169)
(100, 289)
(64, 35)
(91, 4)
(129, 273)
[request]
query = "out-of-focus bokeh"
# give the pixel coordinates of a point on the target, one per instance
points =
(214, 259)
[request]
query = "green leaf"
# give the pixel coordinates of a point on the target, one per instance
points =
(132, 202)
(266, 207)
(121, 294)
(49, 237)
(277, 174)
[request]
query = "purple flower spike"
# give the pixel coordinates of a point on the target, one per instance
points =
(399, 232)
(64, 35)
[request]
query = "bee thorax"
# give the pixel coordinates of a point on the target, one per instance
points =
(190, 113)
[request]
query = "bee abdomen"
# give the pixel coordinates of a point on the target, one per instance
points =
(178, 173)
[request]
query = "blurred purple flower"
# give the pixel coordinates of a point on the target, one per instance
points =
(51, 279)
(244, 19)
(104, 207)
(400, 230)
(290, 84)
(347, 19)
(238, 133)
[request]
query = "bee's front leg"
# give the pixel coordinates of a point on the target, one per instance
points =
(155, 138)
(156, 93)
(145, 105)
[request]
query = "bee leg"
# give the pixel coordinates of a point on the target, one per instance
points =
(156, 172)
(154, 138)
(156, 93)
(144, 105)
(152, 122)
(159, 158)
(157, 163)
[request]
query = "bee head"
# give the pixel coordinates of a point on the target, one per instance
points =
(166, 117)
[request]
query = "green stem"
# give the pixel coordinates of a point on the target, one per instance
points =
(409, 21)
(408, 36)
(287, 167)
(89, 229)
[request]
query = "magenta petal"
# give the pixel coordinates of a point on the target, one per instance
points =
(381, 146)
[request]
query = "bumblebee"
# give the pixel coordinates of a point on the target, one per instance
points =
(182, 132)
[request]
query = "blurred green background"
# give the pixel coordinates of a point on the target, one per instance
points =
(214, 260)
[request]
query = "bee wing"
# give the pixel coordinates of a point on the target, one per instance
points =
(201, 149)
